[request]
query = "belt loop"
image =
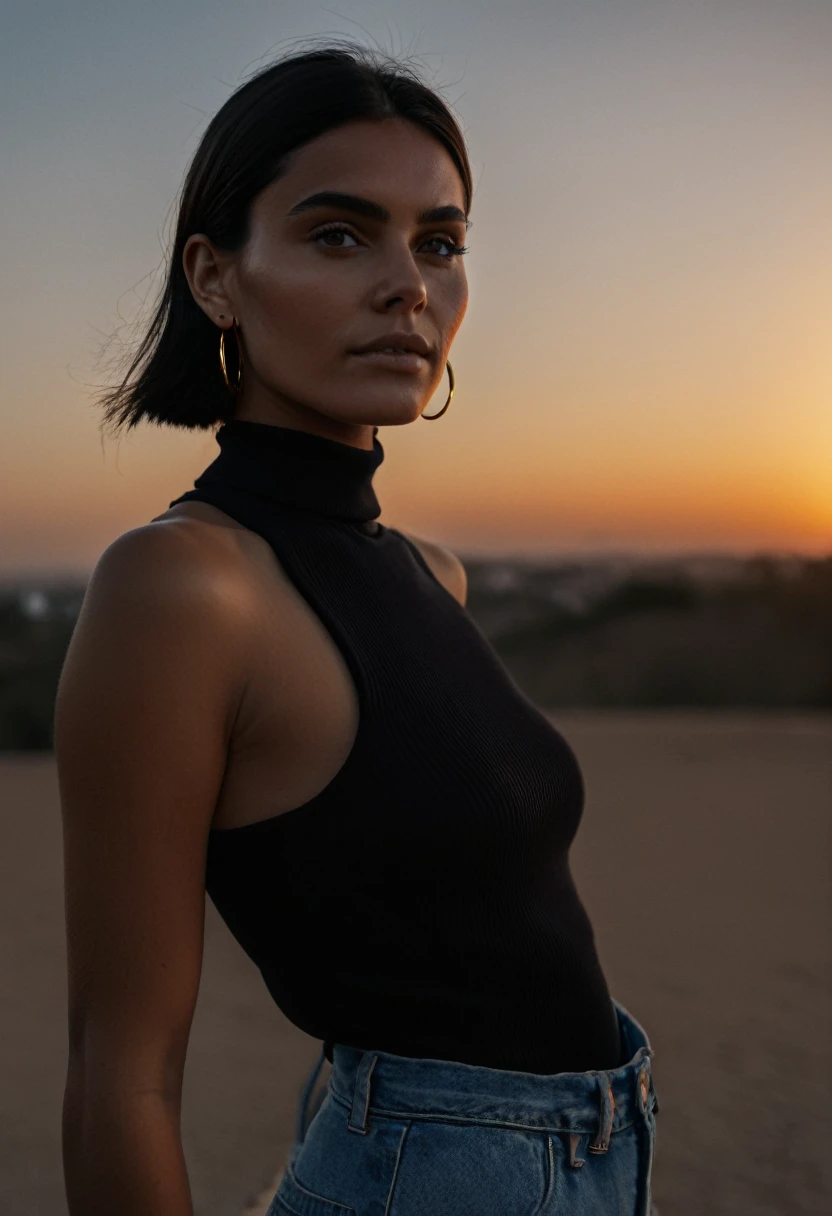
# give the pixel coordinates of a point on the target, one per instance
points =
(306, 1093)
(575, 1161)
(606, 1112)
(645, 1087)
(361, 1097)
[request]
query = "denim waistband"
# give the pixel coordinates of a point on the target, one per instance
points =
(596, 1103)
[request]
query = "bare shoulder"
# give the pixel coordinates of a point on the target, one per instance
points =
(176, 598)
(444, 564)
(178, 560)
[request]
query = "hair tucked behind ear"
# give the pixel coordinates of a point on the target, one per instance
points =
(174, 377)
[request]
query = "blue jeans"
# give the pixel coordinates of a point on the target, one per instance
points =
(399, 1136)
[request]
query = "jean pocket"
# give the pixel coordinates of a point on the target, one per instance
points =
(470, 1168)
(297, 1200)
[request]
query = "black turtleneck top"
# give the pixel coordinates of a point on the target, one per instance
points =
(422, 902)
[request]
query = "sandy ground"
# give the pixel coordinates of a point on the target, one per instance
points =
(704, 861)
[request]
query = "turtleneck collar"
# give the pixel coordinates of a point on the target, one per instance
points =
(297, 469)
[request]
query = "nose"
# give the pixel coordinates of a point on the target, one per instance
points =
(401, 287)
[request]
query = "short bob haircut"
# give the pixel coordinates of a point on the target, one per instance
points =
(174, 378)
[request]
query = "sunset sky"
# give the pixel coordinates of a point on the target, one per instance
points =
(646, 361)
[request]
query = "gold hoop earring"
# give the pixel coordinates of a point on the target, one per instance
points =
(430, 417)
(235, 387)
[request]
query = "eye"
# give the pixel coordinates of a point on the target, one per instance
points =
(333, 230)
(455, 250)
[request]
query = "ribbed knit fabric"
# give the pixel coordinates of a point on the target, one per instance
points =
(422, 903)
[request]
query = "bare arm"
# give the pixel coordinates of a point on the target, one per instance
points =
(145, 707)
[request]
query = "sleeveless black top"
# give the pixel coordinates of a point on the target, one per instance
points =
(422, 902)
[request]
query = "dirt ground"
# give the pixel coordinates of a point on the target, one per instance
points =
(704, 861)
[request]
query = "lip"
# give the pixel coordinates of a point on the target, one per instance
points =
(413, 343)
(407, 361)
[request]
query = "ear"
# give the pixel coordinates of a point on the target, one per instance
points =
(207, 272)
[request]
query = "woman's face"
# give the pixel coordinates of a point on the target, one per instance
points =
(317, 279)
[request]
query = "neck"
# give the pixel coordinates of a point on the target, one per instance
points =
(297, 468)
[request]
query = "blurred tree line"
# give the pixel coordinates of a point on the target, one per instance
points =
(758, 634)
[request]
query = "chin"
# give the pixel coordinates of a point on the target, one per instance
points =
(387, 416)
(376, 409)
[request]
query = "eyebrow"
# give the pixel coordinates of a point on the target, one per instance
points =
(374, 211)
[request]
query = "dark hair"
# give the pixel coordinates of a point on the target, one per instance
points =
(174, 378)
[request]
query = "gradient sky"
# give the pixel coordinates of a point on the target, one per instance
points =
(646, 360)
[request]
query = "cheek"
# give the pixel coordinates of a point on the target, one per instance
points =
(452, 301)
(290, 304)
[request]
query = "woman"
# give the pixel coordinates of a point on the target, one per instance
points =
(272, 696)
